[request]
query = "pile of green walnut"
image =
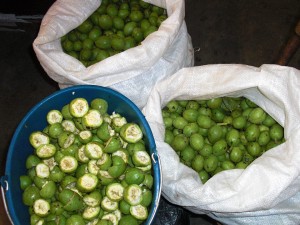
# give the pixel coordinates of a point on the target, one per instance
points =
(115, 26)
(219, 134)
(87, 167)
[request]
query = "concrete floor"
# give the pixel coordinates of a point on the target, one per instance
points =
(234, 32)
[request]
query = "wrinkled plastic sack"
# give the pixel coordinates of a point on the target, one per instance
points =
(133, 72)
(267, 191)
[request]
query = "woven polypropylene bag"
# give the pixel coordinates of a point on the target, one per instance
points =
(267, 191)
(133, 72)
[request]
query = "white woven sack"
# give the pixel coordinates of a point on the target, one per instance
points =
(267, 191)
(133, 72)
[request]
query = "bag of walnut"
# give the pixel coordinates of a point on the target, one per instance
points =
(267, 190)
(132, 72)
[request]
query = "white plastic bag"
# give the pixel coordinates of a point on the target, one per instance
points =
(133, 72)
(267, 191)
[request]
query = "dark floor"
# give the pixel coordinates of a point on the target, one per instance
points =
(238, 32)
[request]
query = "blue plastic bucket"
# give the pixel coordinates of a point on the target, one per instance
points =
(20, 147)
